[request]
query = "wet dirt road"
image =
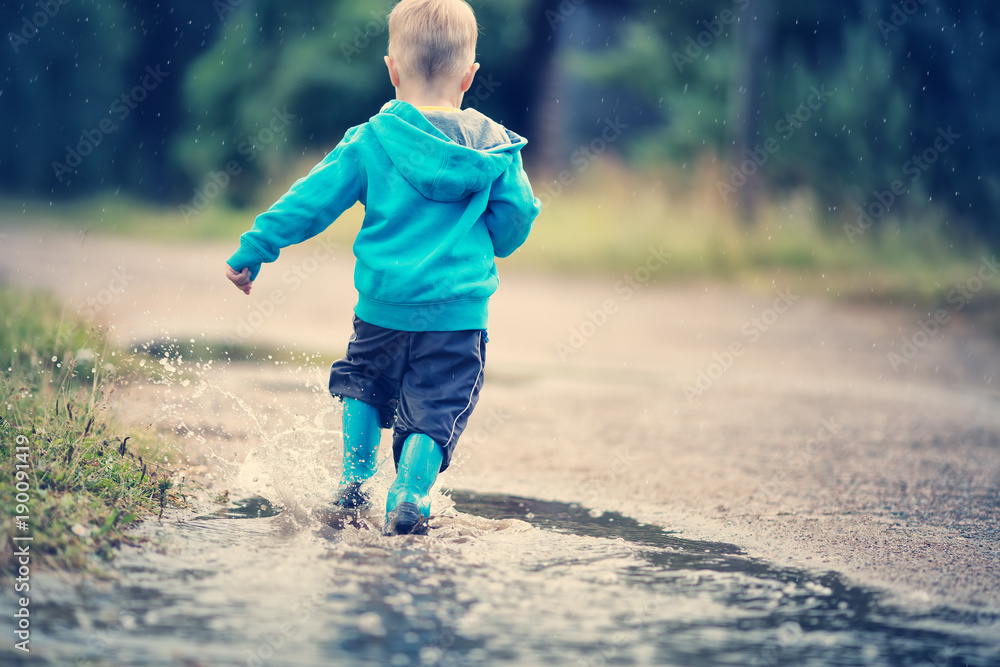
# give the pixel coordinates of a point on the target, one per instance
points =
(761, 425)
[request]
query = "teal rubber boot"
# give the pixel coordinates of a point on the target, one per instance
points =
(409, 502)
(361, 436)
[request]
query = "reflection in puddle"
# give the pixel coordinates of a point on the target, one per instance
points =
(572, 518)
(500, 580)
(254, 507)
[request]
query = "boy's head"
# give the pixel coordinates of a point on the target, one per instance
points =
(432, 39)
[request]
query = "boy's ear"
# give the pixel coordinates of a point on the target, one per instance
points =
(469, 75)
(393, 72)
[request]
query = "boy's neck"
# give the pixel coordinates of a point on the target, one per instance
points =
(420, 97)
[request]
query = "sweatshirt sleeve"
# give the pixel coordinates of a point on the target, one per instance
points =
(512, 209)
(310, 206)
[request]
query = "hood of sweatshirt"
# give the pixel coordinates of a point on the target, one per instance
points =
(436, 166)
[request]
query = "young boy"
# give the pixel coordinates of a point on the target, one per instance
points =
(444, 192)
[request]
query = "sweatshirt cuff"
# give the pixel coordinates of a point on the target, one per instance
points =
(245, 258)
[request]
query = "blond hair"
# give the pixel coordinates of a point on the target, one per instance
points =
(429, 38)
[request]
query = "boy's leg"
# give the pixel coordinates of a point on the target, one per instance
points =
(409, 499)
(439, 390)
(367, 379)
(361, 438)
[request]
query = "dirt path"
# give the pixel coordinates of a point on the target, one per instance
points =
(810, 448)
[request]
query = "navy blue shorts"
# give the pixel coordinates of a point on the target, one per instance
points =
(421, 381)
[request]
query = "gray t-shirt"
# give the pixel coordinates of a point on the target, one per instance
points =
(468, 128)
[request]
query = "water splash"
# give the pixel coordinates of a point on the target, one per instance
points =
(270, 429)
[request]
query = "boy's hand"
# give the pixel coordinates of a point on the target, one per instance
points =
(240, 278)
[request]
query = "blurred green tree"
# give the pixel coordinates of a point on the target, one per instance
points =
(254, 84)
(84, 113)
(894, 75)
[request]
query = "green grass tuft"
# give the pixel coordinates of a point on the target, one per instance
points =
(89, 476)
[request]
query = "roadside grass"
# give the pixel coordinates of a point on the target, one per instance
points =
(87, 476)
(609, 217)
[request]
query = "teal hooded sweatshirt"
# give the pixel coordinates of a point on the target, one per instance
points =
(437, 213)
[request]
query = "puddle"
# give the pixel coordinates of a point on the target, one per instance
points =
(850, 625)
(500, 580)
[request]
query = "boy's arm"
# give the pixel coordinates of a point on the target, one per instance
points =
(512, 209)
(310, 206)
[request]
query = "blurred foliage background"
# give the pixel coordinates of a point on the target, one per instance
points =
(771, 98)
